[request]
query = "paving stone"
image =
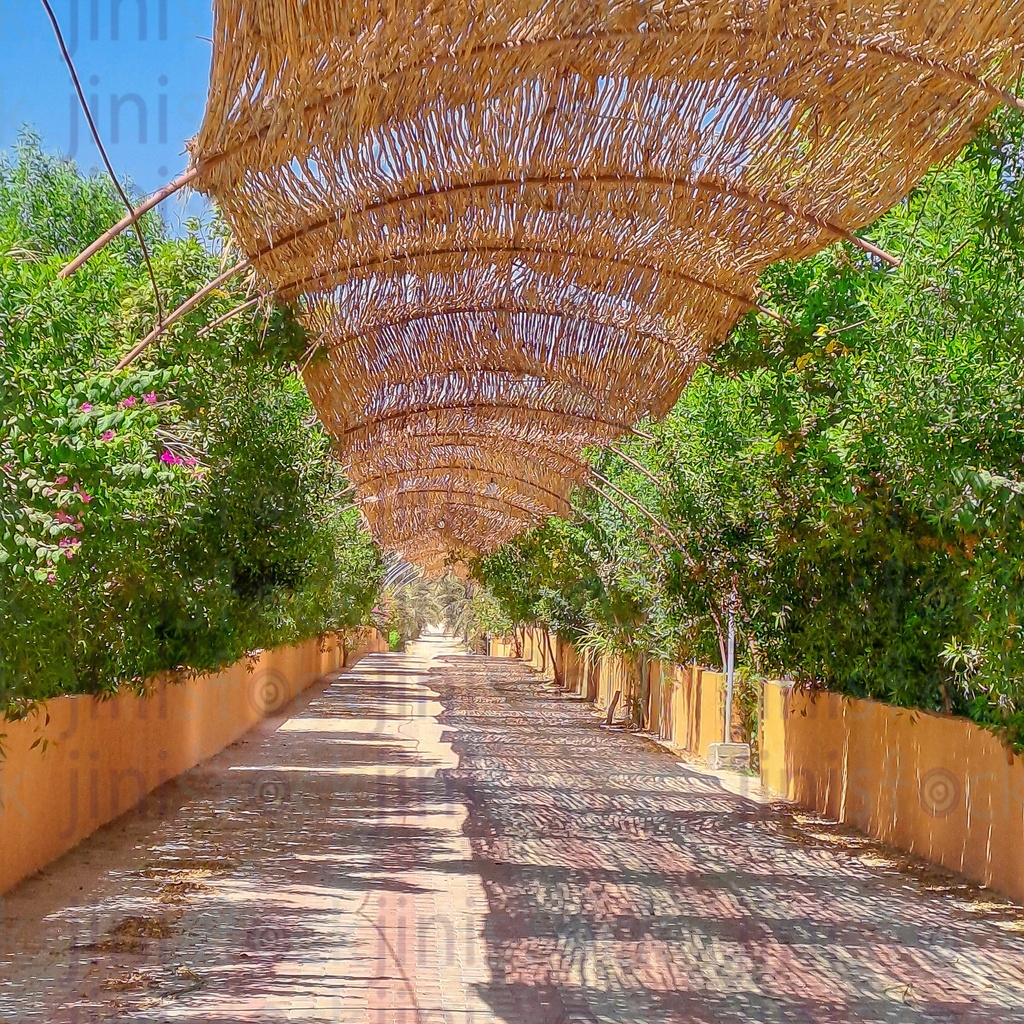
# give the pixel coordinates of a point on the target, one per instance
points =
(436, 838)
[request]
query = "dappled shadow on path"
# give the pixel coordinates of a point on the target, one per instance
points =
(441, 839)
(315, 871)
(625, 886)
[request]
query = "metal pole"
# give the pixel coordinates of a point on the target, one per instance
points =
(730, 674)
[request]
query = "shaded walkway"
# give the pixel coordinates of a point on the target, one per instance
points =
(439, 838)
(626, 886)
(315, 871)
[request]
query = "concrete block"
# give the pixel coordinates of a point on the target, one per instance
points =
(729, 755)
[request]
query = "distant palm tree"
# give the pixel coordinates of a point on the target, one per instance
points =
(414, 605)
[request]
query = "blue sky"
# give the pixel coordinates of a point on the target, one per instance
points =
(145, 68)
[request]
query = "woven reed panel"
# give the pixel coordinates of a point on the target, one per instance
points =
(517, 227)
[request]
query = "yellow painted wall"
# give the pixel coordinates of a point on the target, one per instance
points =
(81, 761)
(540, 653)
(499, 647)
(571, 667)
(774, 771)
(933, 785)
(687, 703)
(536, 652)
(688, 706)
(579, 672)
(609, 681)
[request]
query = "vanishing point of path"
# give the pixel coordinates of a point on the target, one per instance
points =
(435, 837)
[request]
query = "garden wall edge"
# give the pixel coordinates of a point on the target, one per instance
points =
(79, 761)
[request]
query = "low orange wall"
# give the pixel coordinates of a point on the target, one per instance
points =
(688, 707)
(933, 785)
(499, 647)
(686, 704)
(81, 761)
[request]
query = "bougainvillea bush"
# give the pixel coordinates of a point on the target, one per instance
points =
(176, 514)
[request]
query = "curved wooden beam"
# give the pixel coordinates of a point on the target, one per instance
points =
(132, 218)
(546, 181)
(568, 385)
(498, 505)
(504, 406)
(214, 324)
(304, 284)
(429, 471)
(333, 343)
(186, 307)
(498, 438)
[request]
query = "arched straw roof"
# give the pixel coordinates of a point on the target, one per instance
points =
(518, 226)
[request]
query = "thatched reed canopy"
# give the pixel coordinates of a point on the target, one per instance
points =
(518, 226)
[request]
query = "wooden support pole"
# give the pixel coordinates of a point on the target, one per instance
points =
(186, 307)
(870, 247)
(650, 541)
(126, 222)
(636, 504)
(213, 325)
(639, 467)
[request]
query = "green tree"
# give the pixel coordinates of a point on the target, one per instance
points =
(851, 482)
(173, 515)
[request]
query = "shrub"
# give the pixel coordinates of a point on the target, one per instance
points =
(171, 516)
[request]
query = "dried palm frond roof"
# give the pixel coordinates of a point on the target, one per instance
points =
(520, 232)
(517, 227)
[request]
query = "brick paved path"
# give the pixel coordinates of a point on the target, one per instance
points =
(438, 838)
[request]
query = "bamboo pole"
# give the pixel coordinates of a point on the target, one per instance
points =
(507, 406)
(605, 180)
(186, 307)
(214, 324)
(560, 499)
(459, 497)
(639, 467)
(642, 508)
(126, 222)
(318, 281)
(625, 515)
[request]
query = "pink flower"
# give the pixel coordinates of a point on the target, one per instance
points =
(107, 435)
(81, 494)
(85, 407)
(63, 517)
(190, 462)
(149, 398)
(69, 542)
(51, 577)
(60, 481)
(127, 403)
(170, 458)
(69, 553)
